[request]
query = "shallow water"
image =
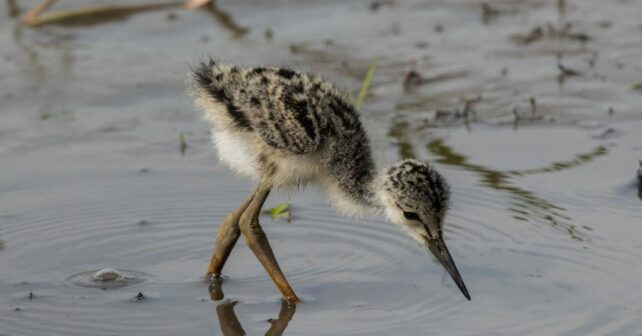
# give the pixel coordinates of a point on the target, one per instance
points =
(546, 220)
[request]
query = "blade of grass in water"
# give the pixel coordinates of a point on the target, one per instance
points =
(280, 211)
(366, 84)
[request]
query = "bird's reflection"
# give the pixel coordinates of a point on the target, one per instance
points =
(230, 324)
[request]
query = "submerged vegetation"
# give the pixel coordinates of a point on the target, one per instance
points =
(281, 210)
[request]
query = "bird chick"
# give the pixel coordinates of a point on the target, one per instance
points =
(285, 128)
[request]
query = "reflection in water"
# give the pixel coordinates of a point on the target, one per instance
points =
(31, 64)
(14, 10)
(230, 324)
(579, 160)
(640, 181)
(225, 20)
(524, 203)
(285, 316)
(398, 131)
(51, 83)
(86, 17)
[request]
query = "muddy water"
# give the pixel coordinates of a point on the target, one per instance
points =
(546, 221)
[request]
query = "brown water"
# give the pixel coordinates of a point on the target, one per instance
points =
(545, 225)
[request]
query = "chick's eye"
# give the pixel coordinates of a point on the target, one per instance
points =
(410, 215)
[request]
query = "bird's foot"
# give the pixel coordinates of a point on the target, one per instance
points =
(215, 288)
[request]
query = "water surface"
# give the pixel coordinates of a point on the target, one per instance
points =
(545, 224)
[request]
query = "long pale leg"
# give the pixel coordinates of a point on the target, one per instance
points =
(226, 237)
(257, 241)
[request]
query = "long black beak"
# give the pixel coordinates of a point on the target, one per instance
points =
(438, 248)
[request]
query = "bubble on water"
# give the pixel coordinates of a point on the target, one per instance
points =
(108, 274)
(107, 278)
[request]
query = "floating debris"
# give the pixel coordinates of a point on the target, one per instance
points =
(566, 72)
(183, 143)
(1, 245)
(549, 32)
(606, 134)
(636, 86)
(269, 34)
(454, 116)
(534, 35)
(172, 16)
(469, 103)
(532, 117)
(533, 103)
(591, 60)
(411, 80)
(280, 211)
(138, 297)
(414, 79)
(489, 12)
(376, 5)
(421, 45)
(295, 48)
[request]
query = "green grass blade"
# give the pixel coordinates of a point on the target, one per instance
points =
(366, 84)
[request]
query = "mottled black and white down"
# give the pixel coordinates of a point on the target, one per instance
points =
(287, 128)
(285, 114)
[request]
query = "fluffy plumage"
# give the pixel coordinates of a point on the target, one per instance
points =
(286, 127)
(289, 128)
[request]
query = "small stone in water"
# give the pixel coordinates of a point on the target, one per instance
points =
(108, 274)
